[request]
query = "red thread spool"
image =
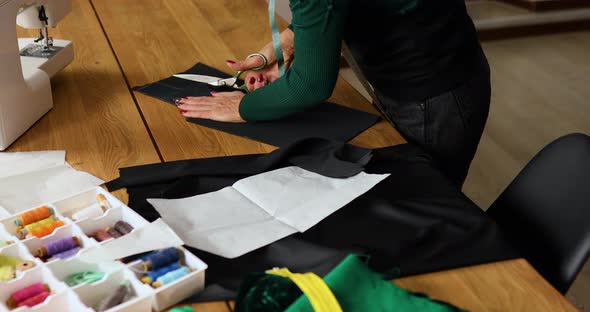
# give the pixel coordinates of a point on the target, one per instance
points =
(46, 229)
(101, 235)
(33, 301)
(26, 293)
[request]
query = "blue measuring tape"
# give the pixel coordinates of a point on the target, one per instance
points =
(276, 41)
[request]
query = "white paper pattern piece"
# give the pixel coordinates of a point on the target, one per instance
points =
(260, 209)
(36, 178)
(12, 164)
(156, 235)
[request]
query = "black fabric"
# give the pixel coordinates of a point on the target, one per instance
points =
(415, 221)
(327, 120)
(417, 55)
(546, 210)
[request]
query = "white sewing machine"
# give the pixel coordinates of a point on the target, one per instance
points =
(27, 64)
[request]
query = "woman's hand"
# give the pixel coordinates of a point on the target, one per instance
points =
(260, 78)
(220, 106)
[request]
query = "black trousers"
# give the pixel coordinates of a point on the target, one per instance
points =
(448, 126)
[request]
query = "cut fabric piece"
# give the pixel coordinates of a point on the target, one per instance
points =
(415, 221)
(327, 120)
(260, 209)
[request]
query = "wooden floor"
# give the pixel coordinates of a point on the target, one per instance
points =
(540, 91)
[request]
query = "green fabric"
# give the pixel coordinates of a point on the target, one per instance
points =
(357, 288)
(318, 26)
(261, 292)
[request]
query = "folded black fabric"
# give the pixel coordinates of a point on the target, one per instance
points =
(326, 120)
(415, 221)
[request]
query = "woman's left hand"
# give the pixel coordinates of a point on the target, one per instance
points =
(220, 106)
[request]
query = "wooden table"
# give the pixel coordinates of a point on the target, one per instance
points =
(103, 125)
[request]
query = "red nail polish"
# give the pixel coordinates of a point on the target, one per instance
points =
(183, 112)
(213, 92)
(230, 61)
(260, 78)
(252, 80)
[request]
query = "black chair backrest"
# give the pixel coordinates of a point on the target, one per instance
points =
(546, 209)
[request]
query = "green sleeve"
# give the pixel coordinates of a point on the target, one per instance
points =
(318, 26)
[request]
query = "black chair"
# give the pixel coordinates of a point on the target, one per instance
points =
(546, 210)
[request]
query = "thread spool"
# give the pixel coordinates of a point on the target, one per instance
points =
(7, 273)
(33, 216)
(58, 246)
(26, 293)
(123, 227)
(6, 243)
(66, 254)
(101, 235)
(114, 298)
(44, 230)
(182, 309)
(92, 211)
(33, 301)
(161, 258)
(103, 202)
(152, 276)
(113, 232)
(23, 231)
(171, 277)
(25, 265)
(84, 277)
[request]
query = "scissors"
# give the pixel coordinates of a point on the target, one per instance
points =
(230, 82)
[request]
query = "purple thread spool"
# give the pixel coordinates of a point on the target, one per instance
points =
(59, 246)
(67, 254)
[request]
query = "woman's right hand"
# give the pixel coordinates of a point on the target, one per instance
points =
(260, 78)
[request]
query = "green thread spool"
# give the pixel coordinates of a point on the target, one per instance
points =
(27, 228)
(84, 277)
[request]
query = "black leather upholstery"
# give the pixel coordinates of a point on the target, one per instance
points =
(546, 209)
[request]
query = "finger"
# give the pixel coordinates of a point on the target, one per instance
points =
(197, 100)
(198, 114)
(260, 81)
(226, 94)
(246, 64)
(250, 81)
(201, 107)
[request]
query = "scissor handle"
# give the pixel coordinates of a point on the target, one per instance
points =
(264, 63)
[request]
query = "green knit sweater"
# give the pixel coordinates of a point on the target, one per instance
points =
(318, 26)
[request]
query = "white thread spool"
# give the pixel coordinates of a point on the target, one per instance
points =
(93, 211)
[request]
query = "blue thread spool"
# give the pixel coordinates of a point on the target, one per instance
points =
(171, 277)
(152, 276)
(161, 259)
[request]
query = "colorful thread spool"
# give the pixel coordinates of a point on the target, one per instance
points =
(44, 230)
(92, 211)
(6, 243)
(152, 276)
(113, 232)
(123, 227)
(26, 293)
(115, 298)
(66, 254)
(182, 309)
(162, 258)
(101, 235)
(25, 265)
(7, 273)
(171, 277)
(22, 232)
(52, 248)
(33, 301)
(33, 216)
(84, 277)
(103, 202)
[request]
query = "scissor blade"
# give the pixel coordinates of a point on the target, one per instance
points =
(214, 81)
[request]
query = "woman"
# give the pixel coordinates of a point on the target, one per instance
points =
(422, 57)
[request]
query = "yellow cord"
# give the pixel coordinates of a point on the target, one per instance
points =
(319, 294)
